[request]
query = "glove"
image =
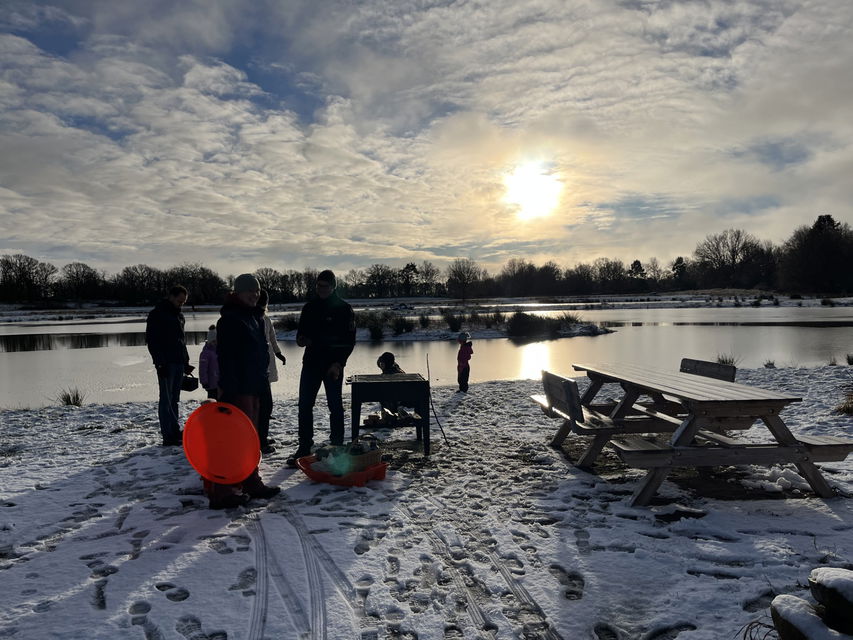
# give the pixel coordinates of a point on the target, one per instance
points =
(188, 368)
(281, 357)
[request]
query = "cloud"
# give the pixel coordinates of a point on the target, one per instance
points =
(295, 134)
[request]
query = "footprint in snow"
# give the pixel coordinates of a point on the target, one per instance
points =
(572, 581)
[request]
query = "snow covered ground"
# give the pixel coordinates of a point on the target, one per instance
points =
(105, 535)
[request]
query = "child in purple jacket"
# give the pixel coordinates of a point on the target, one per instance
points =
(208, 365)
(463, 357)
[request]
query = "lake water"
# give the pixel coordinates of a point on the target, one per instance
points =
(107, 359)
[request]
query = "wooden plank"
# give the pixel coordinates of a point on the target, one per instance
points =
(648, 411)
(708, 369)
(710, 456)
(719, 439)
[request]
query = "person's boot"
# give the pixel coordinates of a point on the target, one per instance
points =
(301, 452)
(230, 501)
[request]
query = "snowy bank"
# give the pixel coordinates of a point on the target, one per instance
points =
(106, 535)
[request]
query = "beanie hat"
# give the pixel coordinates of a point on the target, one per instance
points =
(327, 276)
(386, 358)
(246, 282)
(464, 336)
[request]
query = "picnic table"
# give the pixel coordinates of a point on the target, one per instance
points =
(410, 389)
(694, 413)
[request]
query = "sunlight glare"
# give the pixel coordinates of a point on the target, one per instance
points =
(533, 190)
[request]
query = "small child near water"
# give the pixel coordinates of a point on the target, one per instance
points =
(208, 365)
(388, 365)
(463, 357)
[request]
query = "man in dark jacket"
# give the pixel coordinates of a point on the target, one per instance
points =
(243, 355)
(327, 331)
(164, 335)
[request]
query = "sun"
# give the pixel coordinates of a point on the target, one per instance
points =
(533, 190)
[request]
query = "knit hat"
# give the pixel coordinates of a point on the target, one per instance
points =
(386, 359)
(464, 336)
(327, 276)
(246, 282)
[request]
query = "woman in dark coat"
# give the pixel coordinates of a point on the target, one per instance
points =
(243, 355)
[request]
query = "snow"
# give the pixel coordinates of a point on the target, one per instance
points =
(105, 534)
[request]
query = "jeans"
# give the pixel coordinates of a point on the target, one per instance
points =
(169, 379)
(462, 377)
(309, 384)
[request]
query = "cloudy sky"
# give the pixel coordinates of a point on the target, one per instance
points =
(291, 133)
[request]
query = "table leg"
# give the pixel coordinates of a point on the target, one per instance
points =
(808, 470)
(425, 424)
(561, 434)
(628, 400)
(649, 486)
(592, 451)
(356, 418)
(591, 390)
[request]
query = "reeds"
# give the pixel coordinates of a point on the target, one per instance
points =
(71, 397)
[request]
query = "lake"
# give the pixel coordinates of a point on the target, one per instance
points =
(107, 360)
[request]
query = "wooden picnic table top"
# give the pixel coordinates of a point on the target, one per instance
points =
(685, 386)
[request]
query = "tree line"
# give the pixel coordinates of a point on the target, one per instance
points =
(815, 259)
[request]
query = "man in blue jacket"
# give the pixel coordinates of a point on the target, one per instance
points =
(167, 344)
(327, 331)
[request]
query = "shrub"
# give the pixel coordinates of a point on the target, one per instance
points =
(402, 325)
(727, 358)
(286, 323)
(570, 318)
(850, 358)
(498, 317)
(71, 397)
(522, 325)
(828, 302)
(769, 364)
(375, 331)
(474, 318)
(366, 319)
(424, 321)
(454, 322)
(832, 361)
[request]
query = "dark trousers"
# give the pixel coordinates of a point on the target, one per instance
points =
(250, 405)
(170, 394)
(264, 414)
(309, 384)
(462, 378)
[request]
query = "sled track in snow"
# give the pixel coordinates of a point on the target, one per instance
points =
(318, 561)
(258, 618)
(268, 567)
(517, 589)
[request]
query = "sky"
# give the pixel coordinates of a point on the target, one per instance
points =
(340, 134)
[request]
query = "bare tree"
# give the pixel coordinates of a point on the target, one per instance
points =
(462, 274)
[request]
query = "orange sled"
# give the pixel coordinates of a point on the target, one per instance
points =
(351, 479)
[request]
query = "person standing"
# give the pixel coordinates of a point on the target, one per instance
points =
(326, 330)
(272, 376)
(167, 344)
(242, 353)
(208, 365)
(463, 359)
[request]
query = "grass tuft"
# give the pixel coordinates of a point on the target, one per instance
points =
(727, 358)
(71, 397)
(769, 364)
(850, 358)
(846, 407)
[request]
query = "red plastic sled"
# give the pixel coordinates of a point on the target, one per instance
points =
(352, 479)
(221, 443)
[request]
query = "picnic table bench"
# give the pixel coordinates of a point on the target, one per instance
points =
(694, 411)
